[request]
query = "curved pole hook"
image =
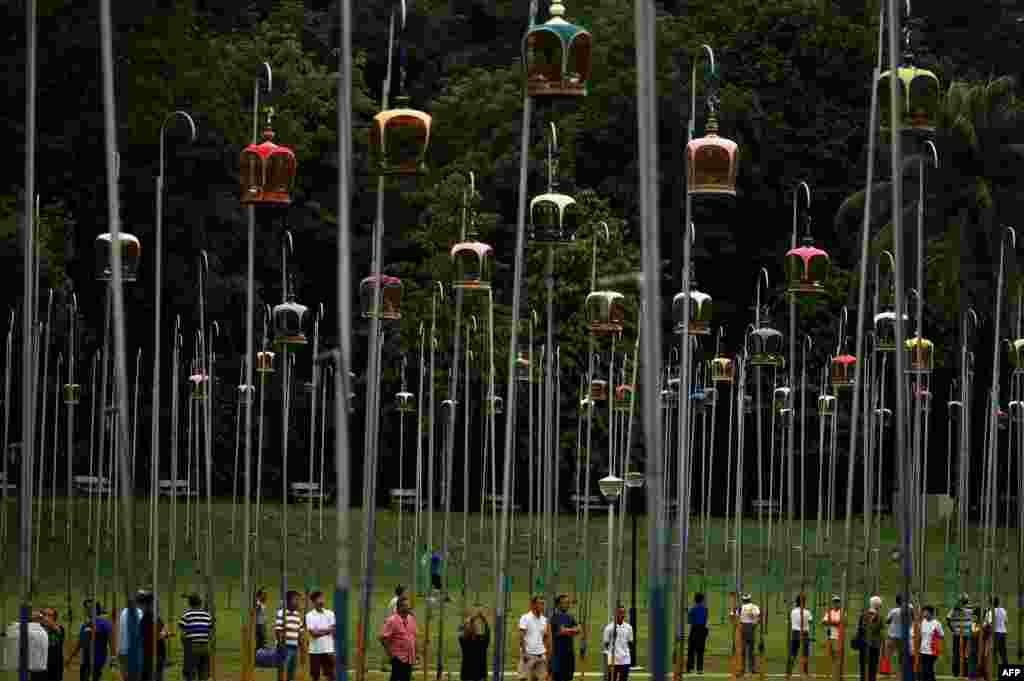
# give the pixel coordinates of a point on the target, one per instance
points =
(935, 153)
(844, 318)
(270, 76)
(472, 318)
(440, 286)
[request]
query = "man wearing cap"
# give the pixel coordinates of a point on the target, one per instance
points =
(750, 617)
(196, 625)
(94, 640)
(959, 620)
(832, 620)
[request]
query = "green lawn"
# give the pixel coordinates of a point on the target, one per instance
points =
(311, 566)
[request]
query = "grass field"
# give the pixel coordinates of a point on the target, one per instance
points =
(311, 566)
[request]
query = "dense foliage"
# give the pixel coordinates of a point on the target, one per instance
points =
(795, 93)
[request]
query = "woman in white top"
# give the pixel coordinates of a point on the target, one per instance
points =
(799, 637)
(996, 618)
(931, 643)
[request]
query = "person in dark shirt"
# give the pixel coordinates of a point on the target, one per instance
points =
(697, 618)
(474, 640)
(55, 654)
(94, 641)
(563, 629)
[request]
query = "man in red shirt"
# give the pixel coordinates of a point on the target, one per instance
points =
(399, 640)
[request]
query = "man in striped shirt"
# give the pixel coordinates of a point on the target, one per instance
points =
(196, 625)
(288, 629)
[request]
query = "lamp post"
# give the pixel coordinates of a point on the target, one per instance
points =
(611, 487)
(633, 481)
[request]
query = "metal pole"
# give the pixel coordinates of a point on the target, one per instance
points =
(28, 322)
(341, 393)
(647, 126)
(510, 400)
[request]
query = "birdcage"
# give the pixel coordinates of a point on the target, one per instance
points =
(267, 172)
(557, 57)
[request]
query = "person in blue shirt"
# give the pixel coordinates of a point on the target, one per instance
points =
(563, 629)
(94, 640)
(697, 618)
(435, 570)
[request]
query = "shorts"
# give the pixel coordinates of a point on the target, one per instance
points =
(533, 667)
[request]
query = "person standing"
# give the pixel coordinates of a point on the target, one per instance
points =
(260, 620)
(195, 624)
(534, 642)
(871, 628)
(154, 641)
(996, 618)
(799, 637)
(321, 625)
(750, 618)
(474, 640)
(399, 640)
(435, 570)
(393, 603)
(931, 643)
(287, 630)
(55, 653)
(894, 634)
(617, 638)
(833, 621)
(38, 648)
(94, 641)
(563, 629)
(697, 618)
(959, 620)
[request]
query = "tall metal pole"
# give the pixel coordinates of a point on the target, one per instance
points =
(647, 129)
(899, 451)
(114, 218)
(342, 455)
(510, 399)
(28, 322)
(791, 428)
(248, 611)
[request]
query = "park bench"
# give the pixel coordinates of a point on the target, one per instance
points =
(174, 488)
(305, 491)
(595, 501)
(498, 500)
(405, 499)
(91, 484)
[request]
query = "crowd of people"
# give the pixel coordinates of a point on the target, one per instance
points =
(547, 651)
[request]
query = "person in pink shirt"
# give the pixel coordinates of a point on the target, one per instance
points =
(399, 640)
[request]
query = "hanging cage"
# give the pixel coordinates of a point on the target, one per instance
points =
(399, 139)
(474, 264)
(701, 308)
(922, 397)
(885, 331)
(723, 370)
(131, 254)
(391, 296)
(554, 219)
(919, 91)
(922, 355)
(245, 394)
(1016, 352)
(557, 57)
(290, 323)
(827, 405)
(72, 393)
(842, 368)
(807, 268)
(625, 395)
(200, 381)
(782, 400)
(766, 348)
(264, 362)
(267, 172)
(495, 405)
(606, 312)
(405, 401)
(711, 162)
(599, 390)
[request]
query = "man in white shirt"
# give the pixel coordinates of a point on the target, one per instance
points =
(129, 640)
(534, 642)
(895, 631)
(996, 618)
(38, 649)
(617, 638)
(931, 637)
(799, 633)
(750, 617)
(320, 625)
